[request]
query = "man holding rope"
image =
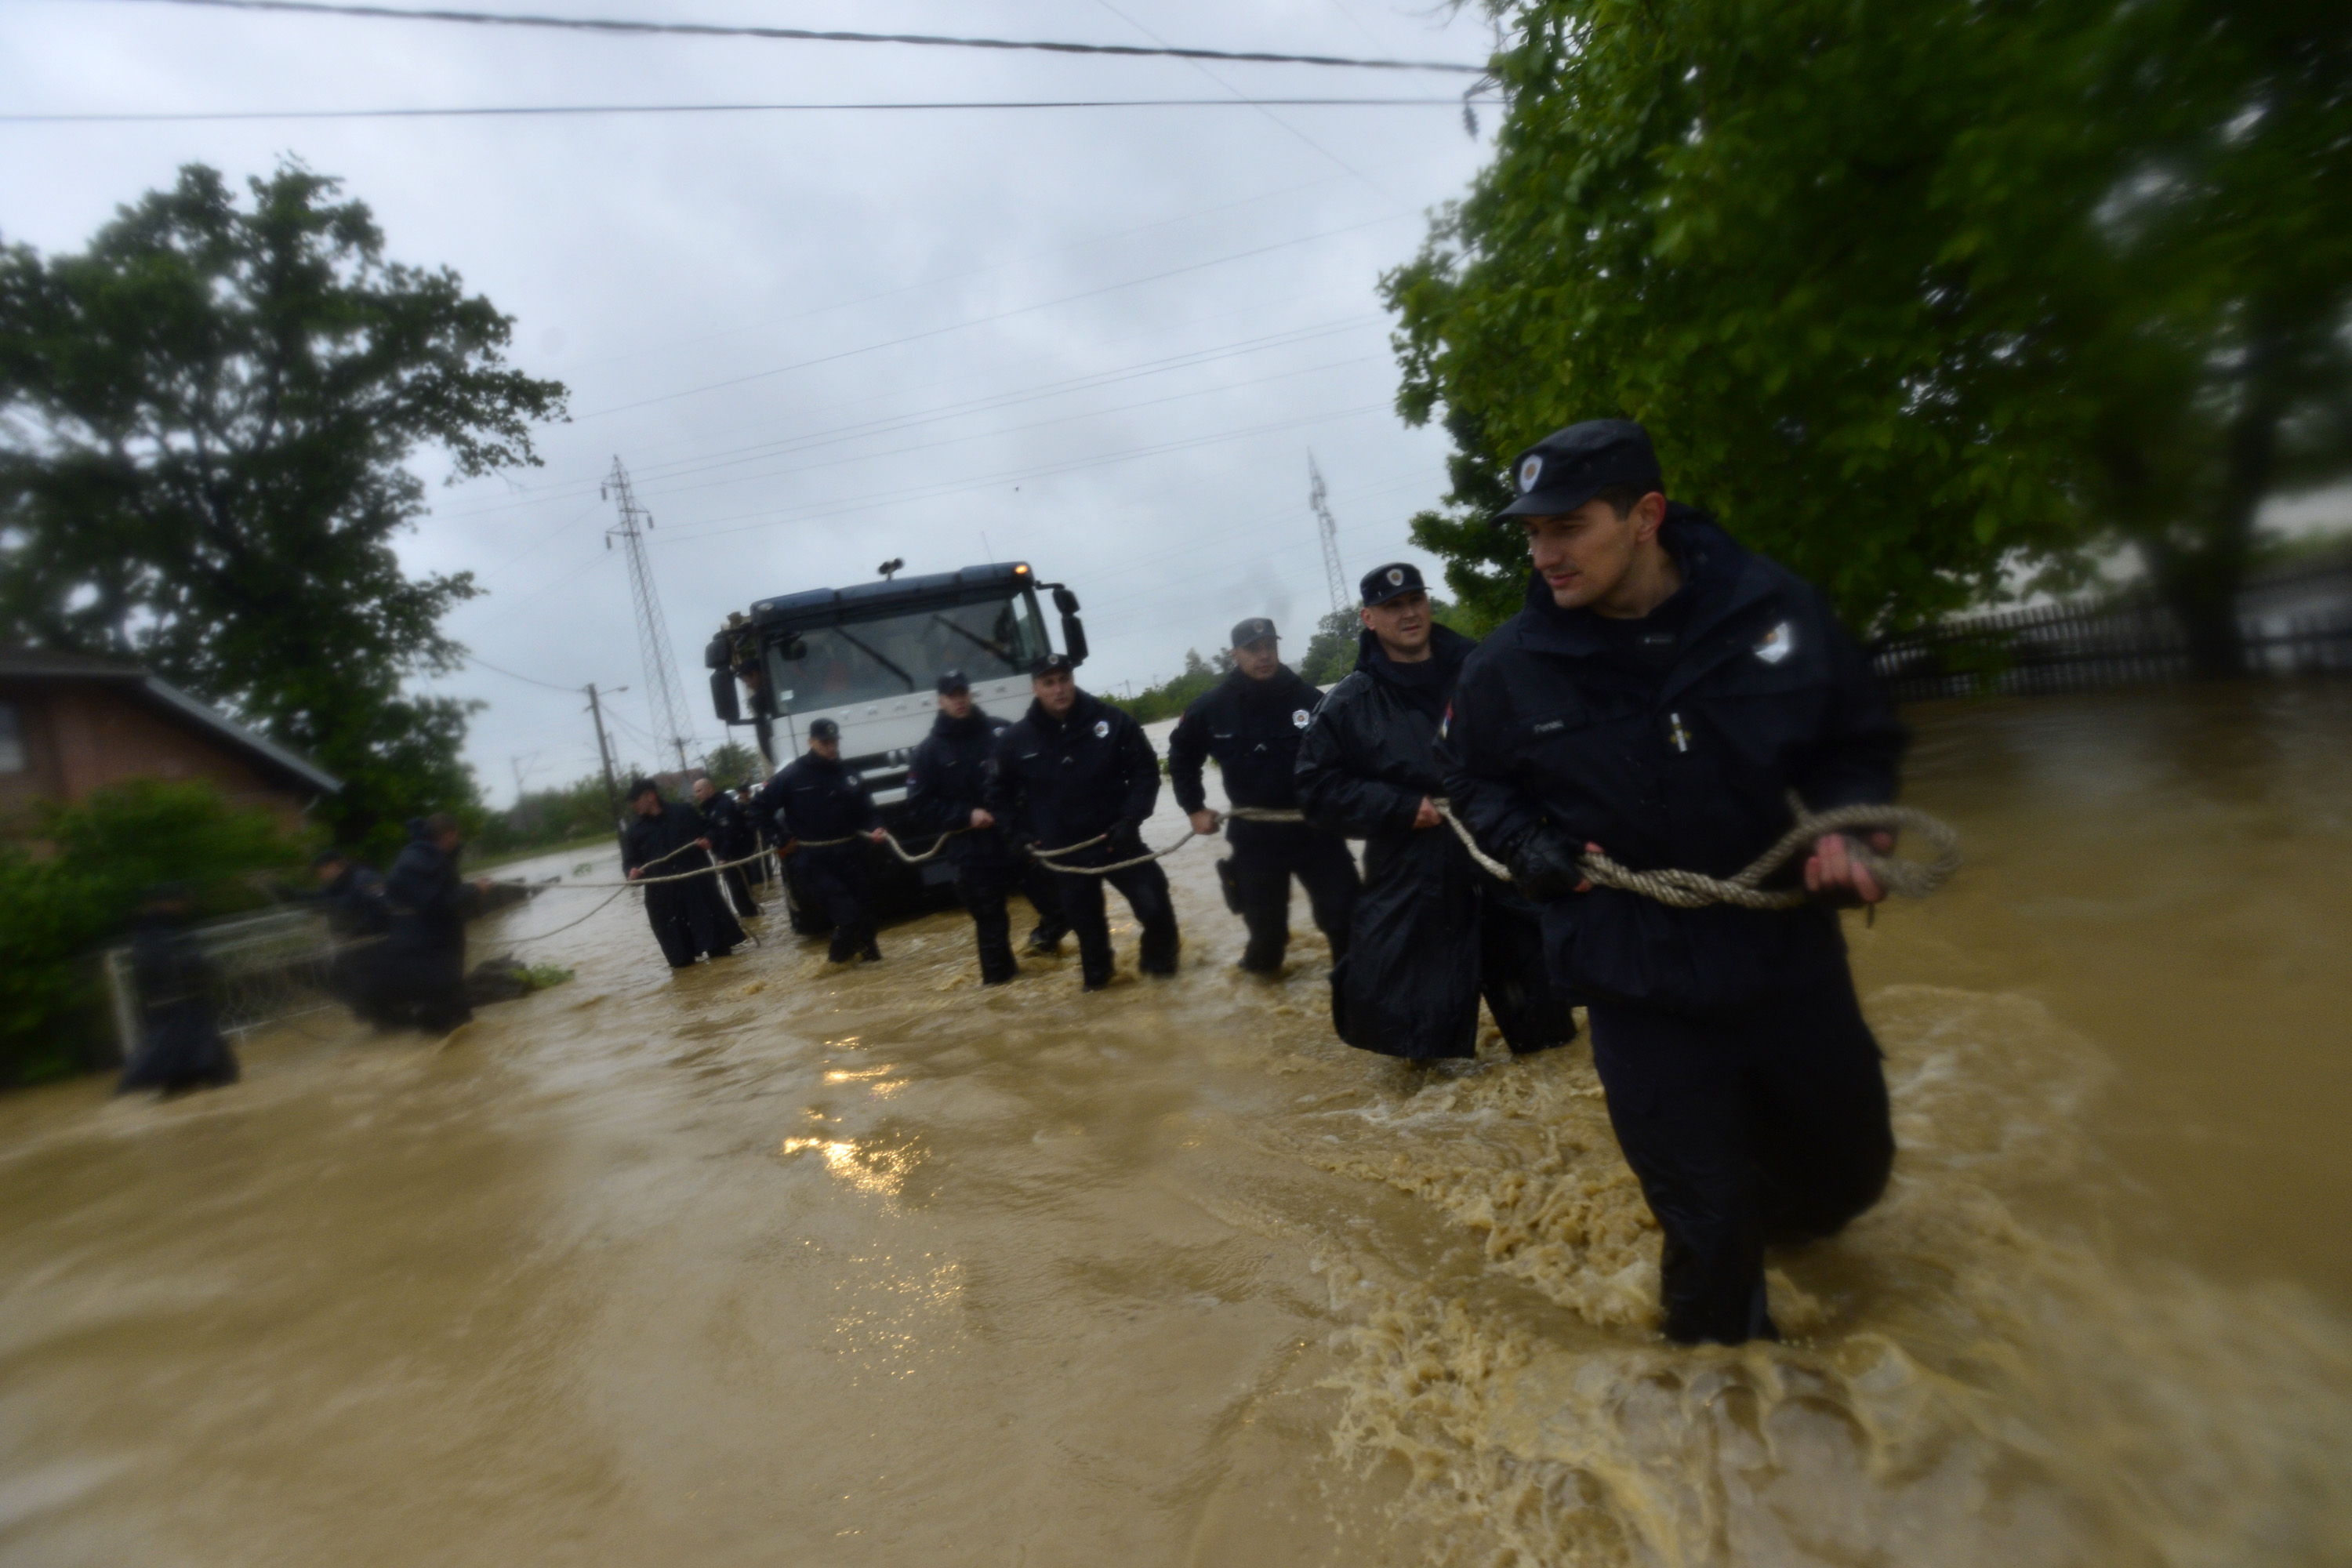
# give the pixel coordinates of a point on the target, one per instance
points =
(1659, 699)
(947, 788)
(1432, 933)
(689, 919)
(827, 812)
(1076, 779)
(1252, 722)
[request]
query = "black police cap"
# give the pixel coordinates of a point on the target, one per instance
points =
(825, 730)
(1569, 466)
(1052, 664)
(1392, 581)
(1258, 629)
(954, 681)
(639, 786)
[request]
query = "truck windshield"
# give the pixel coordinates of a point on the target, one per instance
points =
(891, 655)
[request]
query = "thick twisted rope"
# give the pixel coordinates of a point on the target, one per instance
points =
(1049, 857)
(1691, 890)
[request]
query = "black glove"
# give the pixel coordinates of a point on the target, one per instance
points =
(1543, 865)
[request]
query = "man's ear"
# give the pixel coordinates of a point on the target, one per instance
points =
(1364, 615)
(1649, 515)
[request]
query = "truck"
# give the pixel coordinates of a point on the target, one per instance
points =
(868, 658)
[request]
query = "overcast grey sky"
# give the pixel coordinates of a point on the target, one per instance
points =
(1101, 340)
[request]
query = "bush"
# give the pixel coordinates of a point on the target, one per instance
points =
(58, 909)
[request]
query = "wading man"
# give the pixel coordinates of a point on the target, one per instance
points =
(827, 808)
(1431, 931)
(728, 827)
(1252, 723)
(420, 977)
(690, 918)
(947, 792)
(1659, 697)
(1076, 771)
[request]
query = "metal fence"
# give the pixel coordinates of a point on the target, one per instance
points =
(2293, 622)
(265, 968)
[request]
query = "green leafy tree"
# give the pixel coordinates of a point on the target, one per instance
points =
(97, 859)
(731, 763)
(206, 424)
(1911, 293)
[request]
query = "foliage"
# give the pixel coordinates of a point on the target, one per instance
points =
(1172, 696)
(581, 809)
(543, 976)
(1909, 292)
(106, 852)
(731, 763)
(203, 465)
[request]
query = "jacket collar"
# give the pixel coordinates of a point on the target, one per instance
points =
(1085, 710)
(972, 723)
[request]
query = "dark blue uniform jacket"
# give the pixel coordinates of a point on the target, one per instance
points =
(820, 799)
(949, 781)
(1687, 762)
(1064, 781)
(1253, 728)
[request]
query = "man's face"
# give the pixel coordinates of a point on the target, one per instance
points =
(449, 841)
(827, 747)
(956, 704)
(1056, 690)
(647, 804)
(1403, 621)
(703, 790)
(329, 870)
(1260, 659)
(1584, 555)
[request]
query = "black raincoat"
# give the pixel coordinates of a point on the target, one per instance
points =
(420, 976)
(822, 800)
(689, 919)
(1431, 931)
(180, 1043)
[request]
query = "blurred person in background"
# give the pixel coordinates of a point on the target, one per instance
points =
(180, 1045)
(690, 918)
(420, 969)
(1252, 722)
(729, 829)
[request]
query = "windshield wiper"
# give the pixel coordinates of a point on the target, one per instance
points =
(995, 647)
(877, 658)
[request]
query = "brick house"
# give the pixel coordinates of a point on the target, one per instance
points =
(70, 723)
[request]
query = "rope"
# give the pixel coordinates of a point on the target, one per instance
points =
(1691, 890)
(1050, 855)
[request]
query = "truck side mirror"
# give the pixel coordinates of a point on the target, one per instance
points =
(722, 696)
(1074, 636)
(716, 654)
(1066, 601)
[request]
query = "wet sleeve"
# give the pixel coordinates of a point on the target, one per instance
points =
(1858, 759)
(1334, 796)
(1187, 749)
(1474, 753)
(1142, 773)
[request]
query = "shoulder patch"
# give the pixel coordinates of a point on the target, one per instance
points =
(1102, 728)
(1298, 719)
(1778, 643)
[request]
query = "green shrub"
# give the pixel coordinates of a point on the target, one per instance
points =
(58, 909)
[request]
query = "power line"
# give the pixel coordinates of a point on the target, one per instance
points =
(985, 320)
(809, 35)
(526, 679)
(522, 111)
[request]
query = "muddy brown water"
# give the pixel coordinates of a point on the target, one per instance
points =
(771, 1263)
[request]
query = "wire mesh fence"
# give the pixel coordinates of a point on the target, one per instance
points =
(265, 969)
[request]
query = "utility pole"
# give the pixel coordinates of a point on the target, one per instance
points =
(664, 695)
(1330, 526)
(604, 758)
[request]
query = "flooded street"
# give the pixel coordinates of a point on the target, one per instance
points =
(769, 1262)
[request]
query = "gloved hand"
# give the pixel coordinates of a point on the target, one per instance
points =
(1543, 865)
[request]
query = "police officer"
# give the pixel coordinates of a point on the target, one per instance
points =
(1431, 931)
(729, 829)
(1660, 696)
(420, 970)
(1074, 770)
(689, 919)
(823, 803)
(1250, 722)
(946, 789)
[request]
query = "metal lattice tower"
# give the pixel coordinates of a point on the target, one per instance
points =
(1330, 528)
(664, 695)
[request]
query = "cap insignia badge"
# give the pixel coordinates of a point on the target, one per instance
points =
(1530, 470)
(1396, 575)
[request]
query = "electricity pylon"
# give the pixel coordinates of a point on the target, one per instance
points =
(1330, 528)
(664, 695)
